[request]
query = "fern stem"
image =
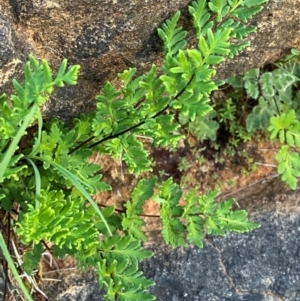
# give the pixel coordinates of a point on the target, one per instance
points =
(81, 145)
(112, 136)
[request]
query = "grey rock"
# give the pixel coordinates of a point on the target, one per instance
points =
(6, 45)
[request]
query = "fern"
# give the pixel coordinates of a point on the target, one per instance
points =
(259, 118)
(199, 216)
(287, 128)
(247, 13)
(118, 269)
(51, 178)
(288, 166)
(32, 258)
(66, 223)
(277, 110)
(203, 127)
(132, 222)
(219, 7)
(201, 16)
(172, 36)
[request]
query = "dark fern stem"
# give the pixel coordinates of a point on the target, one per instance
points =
(112, 136)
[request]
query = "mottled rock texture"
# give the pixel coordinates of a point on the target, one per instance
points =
(107, 36)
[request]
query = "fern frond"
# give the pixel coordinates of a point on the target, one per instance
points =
(218, 42)
(32, 258)
(122, 281)
(201, 17)
(246, 13)
(124, 247)
(64, 222)
(251, 83)
(172, 36)
(168, 198)
(286, 127)
(155, 92)
(219, 7)
(288, 166)
(204, 127)
(260, 116)
(237, 48)
(131, 220)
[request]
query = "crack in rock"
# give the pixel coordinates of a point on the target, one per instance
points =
(266, 294)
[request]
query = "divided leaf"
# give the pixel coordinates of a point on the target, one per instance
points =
(172, 36)
(288, 166)
(260, 116)
(131, 220)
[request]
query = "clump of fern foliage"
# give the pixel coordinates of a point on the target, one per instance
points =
(276, 112)
(47, 183)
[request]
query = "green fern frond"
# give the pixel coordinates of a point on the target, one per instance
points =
(32, 258)
(155, 92)
(251, 83)
(218, 42)
(168, 198)
(260, 116)
(60, 220)
(201, 17)
(131, 220)
(286, 127)
(204, 127)
(172, 36)
(246, 13)
(288, 166)
(237, 48)
(57, 177)
(123, 282)
(219, 7)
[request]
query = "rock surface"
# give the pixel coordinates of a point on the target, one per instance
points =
(107, 36)
(262, 265)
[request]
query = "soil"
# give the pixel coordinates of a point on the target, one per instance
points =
(230, 174)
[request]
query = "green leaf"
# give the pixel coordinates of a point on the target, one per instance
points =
(286, 127)
(13, 145)
(201, 17)
(132, 221)
(203, 127)
(120, 248)
(195, 228)
(260, 116)
(219, 7)
(172, 36)
(32, 258)
(238, 221)
(288, 166)
(79, 185)
(12, 267)
(266, 81)
(246, 13)
(251, 84)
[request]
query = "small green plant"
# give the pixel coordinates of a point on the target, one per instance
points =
(275, 115)
(183, 164)
(277, 110)
(48, 181)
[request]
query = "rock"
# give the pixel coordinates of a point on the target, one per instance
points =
(107, 36)
(12, 59)
(262, 265)
(6, 45)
